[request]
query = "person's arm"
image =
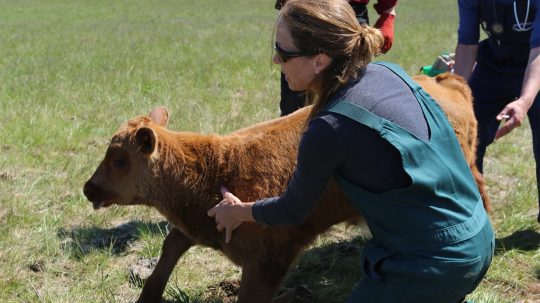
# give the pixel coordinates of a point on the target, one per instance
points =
(515, 111)
(465, 59)
(319, 152)
(387, 14)
(468, 36)
(230, 213)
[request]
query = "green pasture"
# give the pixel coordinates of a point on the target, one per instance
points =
(72, 71)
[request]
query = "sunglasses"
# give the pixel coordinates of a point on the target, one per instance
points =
(286, 55)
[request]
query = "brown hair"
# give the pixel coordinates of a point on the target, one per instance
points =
(331, 27)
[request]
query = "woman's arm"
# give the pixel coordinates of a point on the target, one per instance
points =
(468, 36)
(465, 58)
(515, 111)
(319, 153)
(385, 22)
(230, 213)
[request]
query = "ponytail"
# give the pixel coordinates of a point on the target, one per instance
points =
(330, 27)
(365, 44)
(369, 44)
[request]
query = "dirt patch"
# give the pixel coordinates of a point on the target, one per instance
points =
(141, 270)
(226, 291)
(534, 292)
(36, 266)
(7, 176)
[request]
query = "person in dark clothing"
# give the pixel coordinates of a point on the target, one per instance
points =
(293, 100)
(503, 70)
(390, 148)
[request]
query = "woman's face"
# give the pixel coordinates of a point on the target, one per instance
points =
(299, 71)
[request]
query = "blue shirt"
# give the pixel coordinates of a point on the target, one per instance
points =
(469, 19)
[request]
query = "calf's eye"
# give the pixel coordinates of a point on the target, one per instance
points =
(119, 163)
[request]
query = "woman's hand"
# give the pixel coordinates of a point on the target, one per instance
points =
(512, 115)
(230, 213)
(515, 111)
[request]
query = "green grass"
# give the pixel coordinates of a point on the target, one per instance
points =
(72, 71)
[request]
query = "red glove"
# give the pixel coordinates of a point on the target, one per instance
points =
(386, 25)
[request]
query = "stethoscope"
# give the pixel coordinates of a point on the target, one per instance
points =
(522, 27)
(497, 27)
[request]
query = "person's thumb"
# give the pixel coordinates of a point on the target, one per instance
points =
(224, 190)
(228, 235)
(211, 212)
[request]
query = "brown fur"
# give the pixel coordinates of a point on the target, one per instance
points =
(179, 173)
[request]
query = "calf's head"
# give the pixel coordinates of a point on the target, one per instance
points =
(123, 175)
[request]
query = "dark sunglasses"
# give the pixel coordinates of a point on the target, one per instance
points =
(286, 55)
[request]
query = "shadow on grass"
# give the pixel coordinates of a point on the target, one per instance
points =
(527, 240)
(81, 241)
(330, 271)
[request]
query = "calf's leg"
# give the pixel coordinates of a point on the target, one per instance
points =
(174, 246)
(260, 282)
(289, 295)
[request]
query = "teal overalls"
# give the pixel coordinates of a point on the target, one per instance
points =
(432, 241)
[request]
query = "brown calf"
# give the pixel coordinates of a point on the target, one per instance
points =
(179, 173)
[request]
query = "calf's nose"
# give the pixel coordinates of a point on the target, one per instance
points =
(89, 190)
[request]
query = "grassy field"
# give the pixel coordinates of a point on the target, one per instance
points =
(72, 71)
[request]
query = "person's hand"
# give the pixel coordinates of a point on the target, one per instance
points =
(513, 114)
(229, 213)
(386, 24)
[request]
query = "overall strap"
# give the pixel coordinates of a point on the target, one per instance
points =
(356, 113)
(396, 69)
(360, 114)
(433, 113)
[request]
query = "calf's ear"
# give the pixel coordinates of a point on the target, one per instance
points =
(160, 115)
(146, 140)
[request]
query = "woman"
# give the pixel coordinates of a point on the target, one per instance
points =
(294, 100)
(392, 151)
(503, 70)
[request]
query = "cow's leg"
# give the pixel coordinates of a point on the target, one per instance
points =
(260, 282)
(174, 246)
(291, 294)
